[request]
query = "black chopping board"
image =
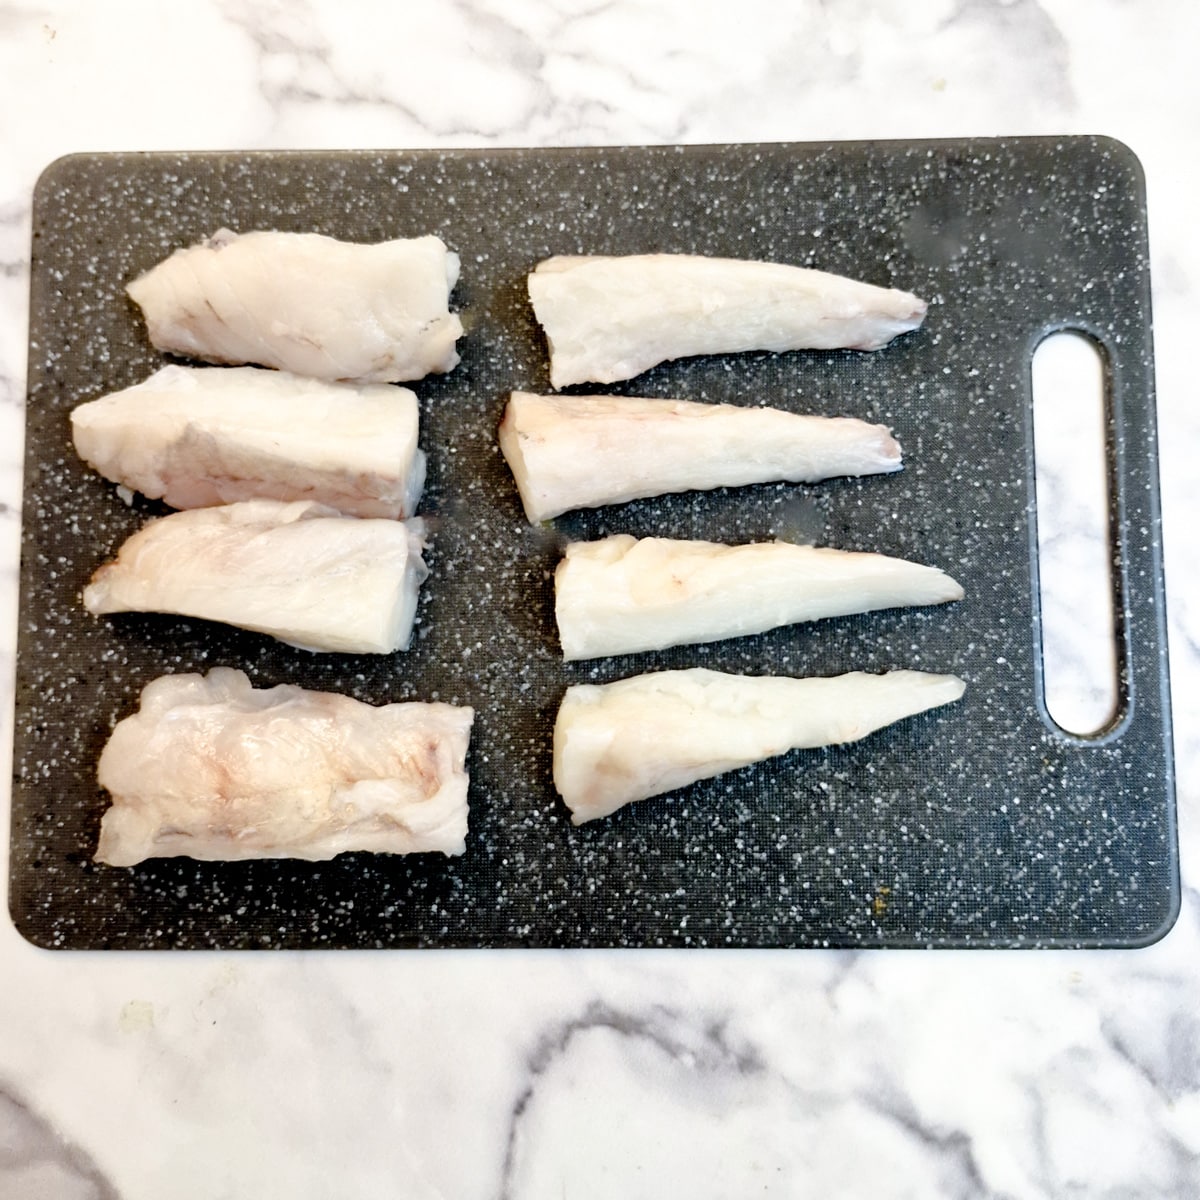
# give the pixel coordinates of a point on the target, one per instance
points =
(981, 824)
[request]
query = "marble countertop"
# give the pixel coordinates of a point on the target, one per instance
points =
(521, 1074)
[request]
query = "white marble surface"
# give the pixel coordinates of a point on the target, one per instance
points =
(609, 1074)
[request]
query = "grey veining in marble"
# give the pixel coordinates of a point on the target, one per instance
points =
(37, 1164)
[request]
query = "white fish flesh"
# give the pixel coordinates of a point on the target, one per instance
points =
(570, 452)
(611, 318)
(620, 595)
(201, 436)
(214, 769)
(300, 572)
(307, 303)
(617, 743)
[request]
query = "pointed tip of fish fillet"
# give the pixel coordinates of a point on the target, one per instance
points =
(902, 313)
(942, 689)
(906, 311)
(891, 456)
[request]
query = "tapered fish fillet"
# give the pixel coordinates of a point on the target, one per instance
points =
(200, 436)
(212, 768)
(300, 572)
(620, 595)
(306, 303)
(608, 319)
(570, 452)
(620, 742)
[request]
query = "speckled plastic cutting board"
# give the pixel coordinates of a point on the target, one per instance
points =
(980, 824)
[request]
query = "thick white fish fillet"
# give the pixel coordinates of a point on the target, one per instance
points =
(611, 318)
(620, 595)
(307, 303)
(620, 742)
(201, 436)
(570, 452)
(212, 768)
(300, 572)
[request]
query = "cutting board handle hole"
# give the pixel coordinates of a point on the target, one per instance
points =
(1078, 579)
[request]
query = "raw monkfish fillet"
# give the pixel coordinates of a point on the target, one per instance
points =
(306, 303)
(608, 319)
(620, 742)
(211, 768)
(199, 436)
(620, 595)
(584, 451)
(301, 572)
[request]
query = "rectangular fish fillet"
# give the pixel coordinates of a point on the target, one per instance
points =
(201, 436)
(300, 572)
(620, 595)
(620, 742)
(307, 303)
(611, 318)
(570, 452)
(214, 769)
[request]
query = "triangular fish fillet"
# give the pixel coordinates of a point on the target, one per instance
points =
(212, 768)
(620, 595)
(570, 452)
(620, 742)
(201, 436)
(300, 572)
(611, 318)
(307, 303)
